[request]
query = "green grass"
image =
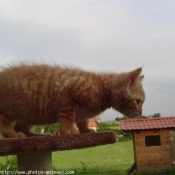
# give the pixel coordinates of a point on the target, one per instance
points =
(3, 160)
(108, 158)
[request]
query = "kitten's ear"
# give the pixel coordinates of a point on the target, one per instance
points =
(141, 78)
(134, 75)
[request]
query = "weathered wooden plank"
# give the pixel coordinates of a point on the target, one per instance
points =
(154, 164)
(153, 168)
(148, 153)
(165, 141)
(153, 159)
(154, 156)
(166, 154)
(153, 149)
(172, 136)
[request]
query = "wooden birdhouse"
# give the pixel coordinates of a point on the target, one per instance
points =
(153, 142)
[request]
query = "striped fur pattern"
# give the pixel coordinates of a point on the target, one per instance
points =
(43, 94)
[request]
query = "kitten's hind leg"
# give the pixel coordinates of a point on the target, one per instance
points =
(67, 124)
(83, 126)
(7, 130)
(21, 127)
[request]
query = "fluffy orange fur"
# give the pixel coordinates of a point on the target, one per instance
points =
(42, 94)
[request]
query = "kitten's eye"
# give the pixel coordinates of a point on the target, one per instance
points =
(138, 101)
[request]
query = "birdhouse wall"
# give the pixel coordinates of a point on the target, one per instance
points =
(152, 150)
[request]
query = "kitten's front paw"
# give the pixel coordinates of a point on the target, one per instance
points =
(91, 130)
(21, 135)
(88, 130)
(66, 131)
(14, 135)
(17, 135)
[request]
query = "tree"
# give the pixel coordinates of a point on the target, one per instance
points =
(117, 119)
(156, 115)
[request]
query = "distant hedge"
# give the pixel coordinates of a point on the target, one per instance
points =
(114, 127)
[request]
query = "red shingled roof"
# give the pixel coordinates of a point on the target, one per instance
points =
(147, 124)
(92, 123)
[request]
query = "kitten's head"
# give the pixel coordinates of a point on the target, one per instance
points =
(130, 94)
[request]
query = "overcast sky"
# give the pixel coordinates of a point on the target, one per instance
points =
(97, 35)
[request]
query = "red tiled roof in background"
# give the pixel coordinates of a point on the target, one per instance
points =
(92, 123)
(147, 124)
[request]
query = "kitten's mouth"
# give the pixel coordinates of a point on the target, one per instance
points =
(134, 115)
(127, 113)
(130, 114)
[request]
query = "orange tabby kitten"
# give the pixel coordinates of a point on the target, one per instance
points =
(42, 94)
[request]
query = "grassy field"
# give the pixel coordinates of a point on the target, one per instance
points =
(115, 157)
(107, 159)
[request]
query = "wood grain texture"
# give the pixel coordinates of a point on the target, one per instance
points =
(153, 158)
